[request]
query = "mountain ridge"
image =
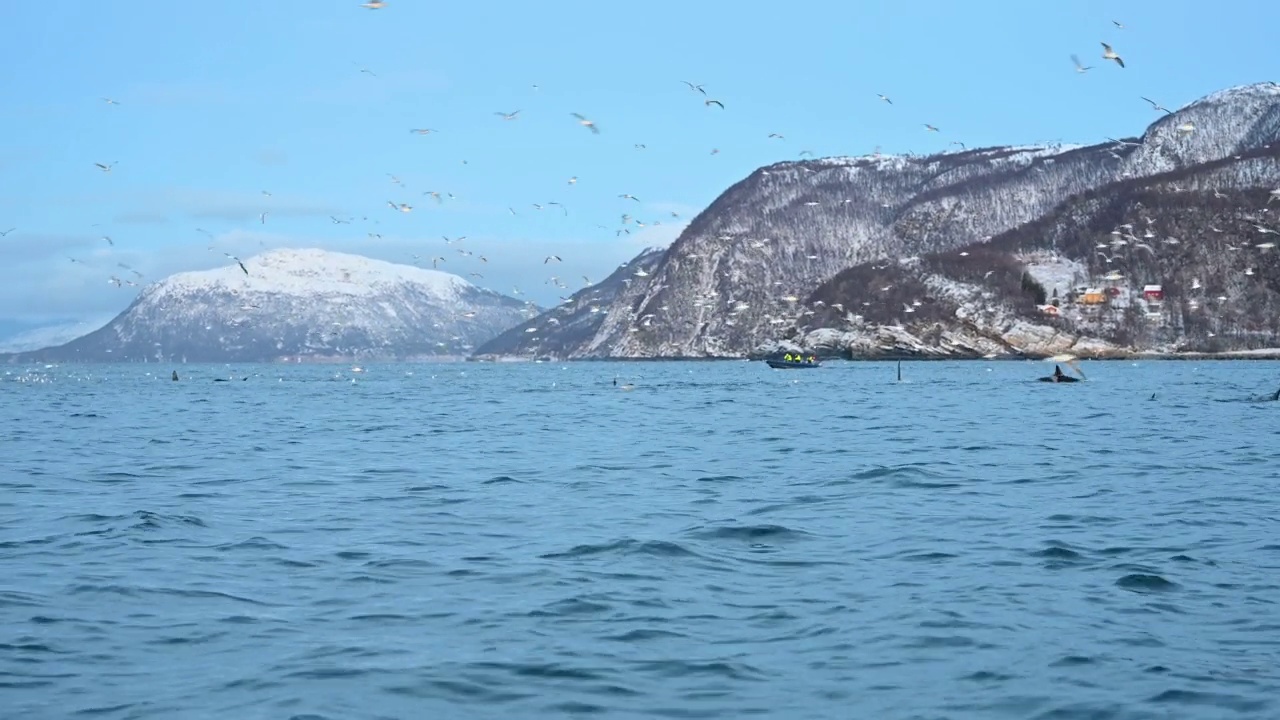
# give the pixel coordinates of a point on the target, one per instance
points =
(734, 283)
(294, 305)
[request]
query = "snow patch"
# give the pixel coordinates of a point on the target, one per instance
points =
(310, 272)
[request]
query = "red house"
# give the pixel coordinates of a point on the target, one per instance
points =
(1152, 293)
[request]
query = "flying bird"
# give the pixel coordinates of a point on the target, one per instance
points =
(629, 196)
(695, 88)
(884, 98)
(423, 131)
(6, 232)
(931, 128)
(1157, 106)
(374, 4)
(109, 101)
(508, 116)
(1080, 67)
(589, 124)
(107, 167)
(238, 262)
(1109, 54)
(709, 103)
(550, 258)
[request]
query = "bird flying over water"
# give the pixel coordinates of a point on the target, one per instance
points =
(588, 124)
(1109, 54)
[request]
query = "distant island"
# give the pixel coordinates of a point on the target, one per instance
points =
(297, 306)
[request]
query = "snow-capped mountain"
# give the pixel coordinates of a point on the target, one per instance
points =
(737, 278)
(296, 305)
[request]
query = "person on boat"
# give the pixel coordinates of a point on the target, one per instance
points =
(812, 359)
(787, 357)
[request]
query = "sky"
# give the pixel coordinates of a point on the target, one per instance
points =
(313, 101)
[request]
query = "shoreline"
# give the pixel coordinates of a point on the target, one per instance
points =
(1272, 354)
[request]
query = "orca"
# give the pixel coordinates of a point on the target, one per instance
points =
(1058, 376)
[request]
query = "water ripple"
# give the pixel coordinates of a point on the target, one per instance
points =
(725, 541)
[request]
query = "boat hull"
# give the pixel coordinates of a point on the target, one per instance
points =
(785, 365)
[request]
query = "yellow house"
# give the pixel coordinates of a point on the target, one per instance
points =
(1093, 296)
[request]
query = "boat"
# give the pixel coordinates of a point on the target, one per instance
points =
(792, 364)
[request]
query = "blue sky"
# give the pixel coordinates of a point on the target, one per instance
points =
(219, 101)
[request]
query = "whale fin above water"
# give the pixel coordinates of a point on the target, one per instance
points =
(1058, 376)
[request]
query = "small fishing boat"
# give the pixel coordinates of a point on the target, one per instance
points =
(792, 364)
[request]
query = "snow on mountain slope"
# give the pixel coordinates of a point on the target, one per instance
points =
(734, 277)
(298, 304)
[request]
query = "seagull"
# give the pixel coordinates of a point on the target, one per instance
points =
(1117, 24)
(573, 180)
(1157, 106)
(550, 258)
(107, 167)
(776, 135)
(589, 124)
(109, 101)
(104, 237)
(930, 128)
(629, 196)
(709, 103)
(508, 116)
(336, 221)
(374, 4)
(695, 88)
(423, 131)
(1080, 68)
(1109, 54)
(238, 262)
(6, 232)
(402, 207)
(884, 98)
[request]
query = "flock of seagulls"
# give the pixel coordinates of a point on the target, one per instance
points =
(1109, 252)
